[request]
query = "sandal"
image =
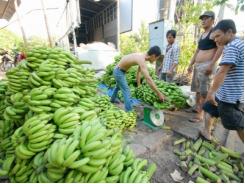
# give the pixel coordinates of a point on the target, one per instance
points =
(196, 120)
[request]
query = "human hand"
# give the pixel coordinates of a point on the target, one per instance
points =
(161, 97)
(189, 69)
(169, 73)
(209, 69)
(211, 98)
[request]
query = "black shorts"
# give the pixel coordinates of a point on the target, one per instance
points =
(231, 115)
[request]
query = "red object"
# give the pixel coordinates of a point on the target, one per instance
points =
(22, 56)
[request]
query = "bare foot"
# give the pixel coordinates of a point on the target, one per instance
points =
(205, 134)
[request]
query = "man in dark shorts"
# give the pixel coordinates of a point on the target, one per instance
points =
(203, 63)
(225, 96)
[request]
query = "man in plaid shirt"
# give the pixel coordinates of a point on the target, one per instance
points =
(171, 59)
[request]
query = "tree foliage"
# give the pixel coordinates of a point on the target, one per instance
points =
(136, 42)
(8, 40)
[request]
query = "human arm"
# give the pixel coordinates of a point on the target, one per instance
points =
(217, 55)
(138, 77)
(217, 82)
(150, 82)
(230, 59)
(193, 60)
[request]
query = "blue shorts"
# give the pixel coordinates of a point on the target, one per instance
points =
(231, 115)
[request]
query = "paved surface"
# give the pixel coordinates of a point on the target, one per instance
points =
(179, 122)
(157, 145)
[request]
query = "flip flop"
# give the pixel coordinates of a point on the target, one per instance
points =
(195, 120)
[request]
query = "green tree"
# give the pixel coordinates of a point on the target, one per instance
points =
(135, 42)
(8, 40)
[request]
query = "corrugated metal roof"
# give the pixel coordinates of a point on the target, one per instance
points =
(7, 8)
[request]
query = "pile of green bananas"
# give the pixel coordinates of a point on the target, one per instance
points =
(174, 96)
(117, 118)
(51, 129)
(91, 154)
(209, 162)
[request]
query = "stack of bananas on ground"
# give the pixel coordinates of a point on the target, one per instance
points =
(50, 126)
(117, 118)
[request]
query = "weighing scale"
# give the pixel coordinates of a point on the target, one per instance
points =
(153, 118)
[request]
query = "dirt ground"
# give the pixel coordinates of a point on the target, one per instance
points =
(156, 146)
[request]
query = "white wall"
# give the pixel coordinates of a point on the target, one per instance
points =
(144, 10)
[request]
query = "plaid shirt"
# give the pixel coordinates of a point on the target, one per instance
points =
(171, 57)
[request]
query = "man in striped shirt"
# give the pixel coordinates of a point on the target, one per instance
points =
(225, 97)
(171, 59)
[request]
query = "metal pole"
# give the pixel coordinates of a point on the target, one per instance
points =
(73, 29)
(20, 23)
(46, 22)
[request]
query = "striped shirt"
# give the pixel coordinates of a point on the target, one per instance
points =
(171, 57)
(232, 90)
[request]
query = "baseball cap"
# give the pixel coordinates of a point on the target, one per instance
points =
(207, 14)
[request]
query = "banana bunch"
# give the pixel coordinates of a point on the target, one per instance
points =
(21, 171)
(3, 88)
(60, 81)
(98, 177)
(65, 153)
(39, 133)
(18, 137)
(88, 115)
(36, 81)
(87, 104)
(117, 118)
(116, 164)
(36, 56)
(39, 99)
(74, 176)
(133, 176)
(94, 145)
(18, 78)
(135, 173)
(6, 165)
(17, 110)
(6, 129)
(45, 73)
(103, 102)
(64, 97)
(130, 120)
(116, 142)
(67, 120)
(129, 156)
(6, 146)
(38, 165)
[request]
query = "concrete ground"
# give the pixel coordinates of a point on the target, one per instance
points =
(157, 145)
